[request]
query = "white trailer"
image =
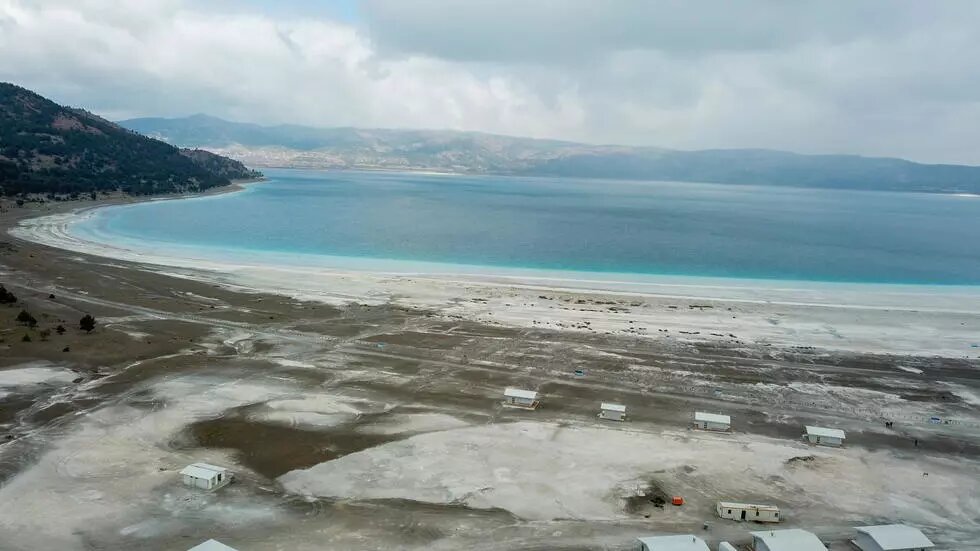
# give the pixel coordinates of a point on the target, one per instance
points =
(519, 398)
(712, 421)
(748, 511)
(823, 436)
(205, 476)
(612, 412)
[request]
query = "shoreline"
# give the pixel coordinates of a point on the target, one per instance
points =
(53, 230)
(857, 317)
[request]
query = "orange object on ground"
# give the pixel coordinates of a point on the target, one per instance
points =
(677, 500)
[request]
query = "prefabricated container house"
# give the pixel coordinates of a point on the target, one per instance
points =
(891, 537)
(212, 545)
(612, 412)
(786, 540)
(206, 477)
(748, 511)
(725, 546)
(712, 421)
(672, 543)
(516, 397)
(823, 436)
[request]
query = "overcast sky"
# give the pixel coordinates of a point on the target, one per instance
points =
(890, 77)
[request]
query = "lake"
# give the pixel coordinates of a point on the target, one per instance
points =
(497, 222)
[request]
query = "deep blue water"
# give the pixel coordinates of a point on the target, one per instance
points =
(587, 225)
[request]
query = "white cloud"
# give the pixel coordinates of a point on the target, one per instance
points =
(872, 77)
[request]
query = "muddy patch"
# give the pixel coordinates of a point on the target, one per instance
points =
(648, 501)
(273, 450)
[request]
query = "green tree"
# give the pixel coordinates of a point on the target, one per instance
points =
(25, 317)
(6, 297)
(87, 323)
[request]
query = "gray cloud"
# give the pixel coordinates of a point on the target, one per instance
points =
(568, 30)
(892, 78)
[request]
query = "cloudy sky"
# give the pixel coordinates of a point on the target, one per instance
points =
(889, 77)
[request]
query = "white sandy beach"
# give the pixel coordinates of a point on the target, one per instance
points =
(894, 319)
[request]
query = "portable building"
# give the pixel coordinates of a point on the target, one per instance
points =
(212, 545)
(612, 412)
(823, 436)
(712, 421)
(786, 540)
(672, 543)
(891, 537)
(517, 397)
(725, 546)
(748, 511)
(205, 476)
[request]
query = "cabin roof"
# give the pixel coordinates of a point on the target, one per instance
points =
(520, 393)
(202, 470)
(790, 540)
(674, 543)
(612, 407)
(823, 431)
(896, 536)
(212, 545)
(712, 417)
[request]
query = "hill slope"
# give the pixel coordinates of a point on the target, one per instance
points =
(299, 146)
(47, 148)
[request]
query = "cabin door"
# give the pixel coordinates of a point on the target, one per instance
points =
(743, 515)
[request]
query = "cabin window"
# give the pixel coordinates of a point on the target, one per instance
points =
(729, 511)
(776, 514)
(757, 512)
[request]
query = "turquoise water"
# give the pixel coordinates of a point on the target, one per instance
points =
(574, 224)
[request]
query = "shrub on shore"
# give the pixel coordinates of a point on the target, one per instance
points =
(6, 297)
(25, 318)
(87, 323)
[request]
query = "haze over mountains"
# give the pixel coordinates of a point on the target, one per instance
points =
(473, 152)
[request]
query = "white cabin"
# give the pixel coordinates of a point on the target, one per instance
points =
(712, 421)
(891, 537)
(212, 545)
(516, 397)
(206, 477)
(672, 543)
(612, 412)
(725, 546)
(786, 540)
(823, 436)
(748, 511)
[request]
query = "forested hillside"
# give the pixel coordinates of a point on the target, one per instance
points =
(48, 148)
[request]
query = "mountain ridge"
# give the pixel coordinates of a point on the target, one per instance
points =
(482, 153)
(50, 148)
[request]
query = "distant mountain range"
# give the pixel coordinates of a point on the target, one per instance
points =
(473, 152)
(48, 148)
